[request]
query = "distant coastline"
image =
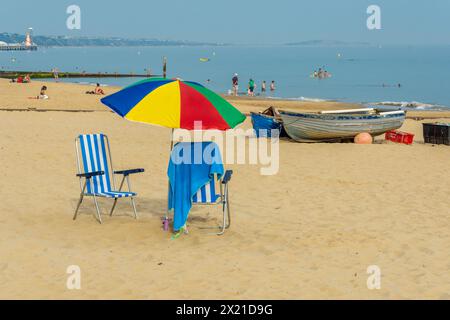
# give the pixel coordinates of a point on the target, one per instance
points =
(329, 43)
(85, 41)
(65, 41)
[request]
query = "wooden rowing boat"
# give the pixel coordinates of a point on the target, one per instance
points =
(335, 126)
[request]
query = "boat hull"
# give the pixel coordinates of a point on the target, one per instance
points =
(263, 125)
(308, 127)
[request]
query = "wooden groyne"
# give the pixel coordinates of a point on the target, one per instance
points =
(49, 75)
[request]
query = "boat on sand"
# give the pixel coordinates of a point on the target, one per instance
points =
(339, 125)
(265, 122)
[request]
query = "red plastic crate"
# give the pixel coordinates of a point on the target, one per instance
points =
(400, 137)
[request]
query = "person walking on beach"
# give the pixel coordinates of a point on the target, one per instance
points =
(251, 88)
(272, 86)
(235, 83)
(263, 87)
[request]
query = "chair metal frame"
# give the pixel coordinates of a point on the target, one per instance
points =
(87, 177)
(223, 199)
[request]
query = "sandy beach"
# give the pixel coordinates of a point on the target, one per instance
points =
(309, 232)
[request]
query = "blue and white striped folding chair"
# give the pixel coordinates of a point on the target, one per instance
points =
(208, 195)
(95, 169)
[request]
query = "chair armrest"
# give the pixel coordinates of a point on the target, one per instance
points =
(89, 175)
(128, 172)
(227, 176)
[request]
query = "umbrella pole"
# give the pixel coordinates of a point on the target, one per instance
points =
(171, 140)
(166, 218)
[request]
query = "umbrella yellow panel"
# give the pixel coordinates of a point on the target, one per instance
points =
(161, 107)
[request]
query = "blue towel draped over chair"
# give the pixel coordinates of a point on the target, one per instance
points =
(193, 167)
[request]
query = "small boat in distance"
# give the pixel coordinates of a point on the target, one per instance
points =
(331, 126)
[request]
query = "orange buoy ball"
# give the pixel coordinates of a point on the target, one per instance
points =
(363, 138)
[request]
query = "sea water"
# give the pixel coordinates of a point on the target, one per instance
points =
(411, 77)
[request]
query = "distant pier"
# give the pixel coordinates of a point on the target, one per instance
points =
(27, 45)
(19, 47)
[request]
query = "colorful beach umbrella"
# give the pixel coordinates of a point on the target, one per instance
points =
(174, 104)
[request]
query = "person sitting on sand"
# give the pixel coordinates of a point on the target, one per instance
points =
(19, 79)
(27, 79)
(98, 90)
(43, 94)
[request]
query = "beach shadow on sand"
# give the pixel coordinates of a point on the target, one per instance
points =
(146, 207)
(149, 208)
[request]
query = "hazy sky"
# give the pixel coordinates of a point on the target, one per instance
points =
(237, 21)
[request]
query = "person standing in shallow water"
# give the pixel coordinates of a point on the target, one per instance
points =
(263, 88)
(235, 83)
(251, 88)
(272, 86)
